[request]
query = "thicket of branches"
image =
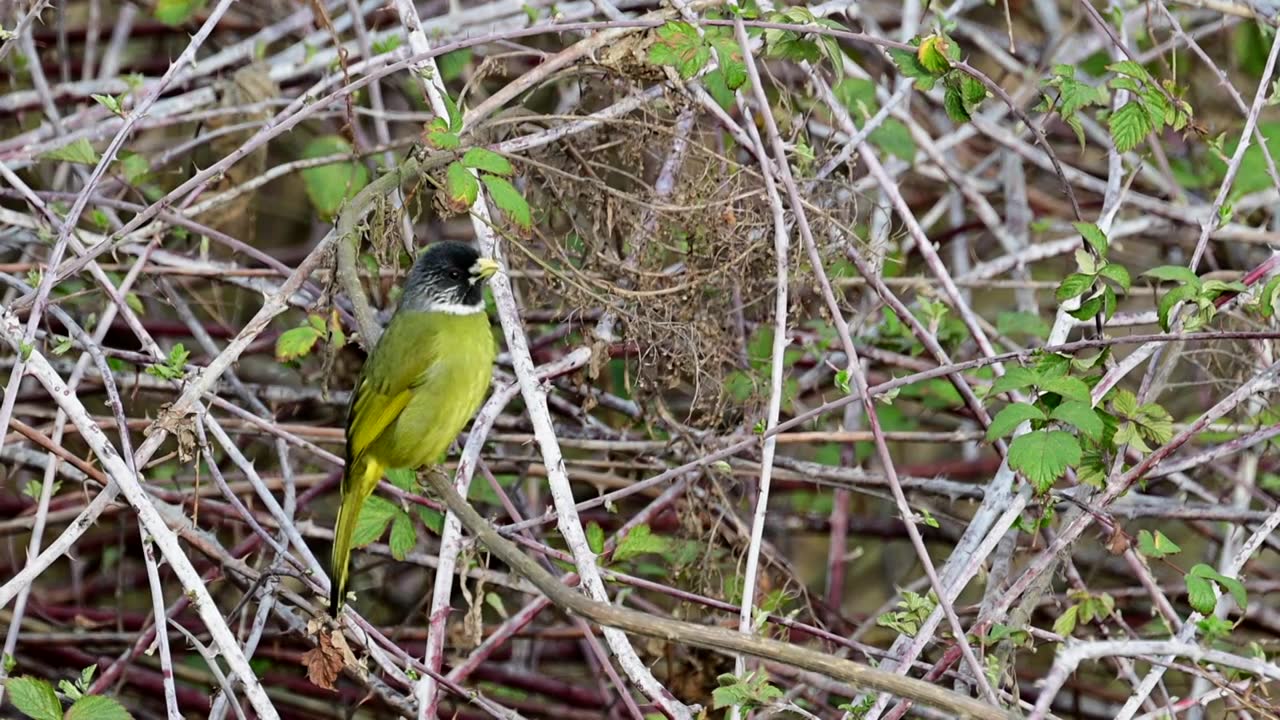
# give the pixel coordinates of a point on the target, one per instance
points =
(860, 360)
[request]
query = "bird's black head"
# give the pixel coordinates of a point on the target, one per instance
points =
(448, 277)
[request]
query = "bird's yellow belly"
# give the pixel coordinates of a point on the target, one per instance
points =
(421, 434)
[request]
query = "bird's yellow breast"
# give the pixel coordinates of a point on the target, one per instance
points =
(443, 394)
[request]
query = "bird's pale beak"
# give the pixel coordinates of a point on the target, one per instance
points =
(484, 269)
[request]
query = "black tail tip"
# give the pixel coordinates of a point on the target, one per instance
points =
(335, 600)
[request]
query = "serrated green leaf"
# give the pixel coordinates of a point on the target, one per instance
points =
(1129, 125)
(953, 103)
(933, 54)
(714, 82)
(894, 138)
(1073, 285)
(639, 541)
(1014, 378)
(509, 200)
(488, 161)
(1173, 273)
(1022, 323)
(1156, 546)
(1088, 309)
(403, 536)
(460, 187)
(1066, 622)
(1068, 387)
(1043, 456)
(403, 478)
(177, 12)
(452, 64)
(451, 109)
(1080, 415)
(1200, 595)
(909, 66)
(1229, 584)
(34, 697)
(97, 707)
(973, 91)
(295, 343)
(135, 167)
(1118, 274)
(1010, 417)
(433, 519)
(1269, 297)
(1170, 299)
(79, 152)
(329, 186)
(1093, 235)
(595, 538)
(679, 46)
(1130, 68)
(373, 520)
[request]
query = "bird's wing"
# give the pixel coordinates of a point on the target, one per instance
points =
(405, 353)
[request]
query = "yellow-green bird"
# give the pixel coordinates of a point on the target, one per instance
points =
(421, 384)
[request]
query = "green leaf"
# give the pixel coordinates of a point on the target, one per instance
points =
(1066, 622)
(1014, 378)
(1068, 387)
(1009, 418)
(433, 519)
(35, 698)
(909, 65)
(1022, 323)
(715, 84)
(729, 53)
(953, 103)
(1088, 309)
(329, 186)
(1129, 126)
(1169, 300)
(509, 200)
(97, 707)
(1043, 456)
(1080, 415)
(933, 54)
(296, 343)
(79, 152)
(679, 46)
(460, 187)
(489, 161)
(177, 12)
(1269, 297)
(451, 109)
(1074, 285)
(894, 138)
(1229, 584)
(639, 541)
(391, 42)
(109, 102)
(373, 520)
(452, 64)
(595, 538)
(1118, 274)
(403, 478)
(403, 536)
(1173, 273)
(1200, 594)
(1156, 546)
(1130, 68)
(1093, 235)
(439, 136)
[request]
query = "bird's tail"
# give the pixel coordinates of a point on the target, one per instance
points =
(356, 487)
